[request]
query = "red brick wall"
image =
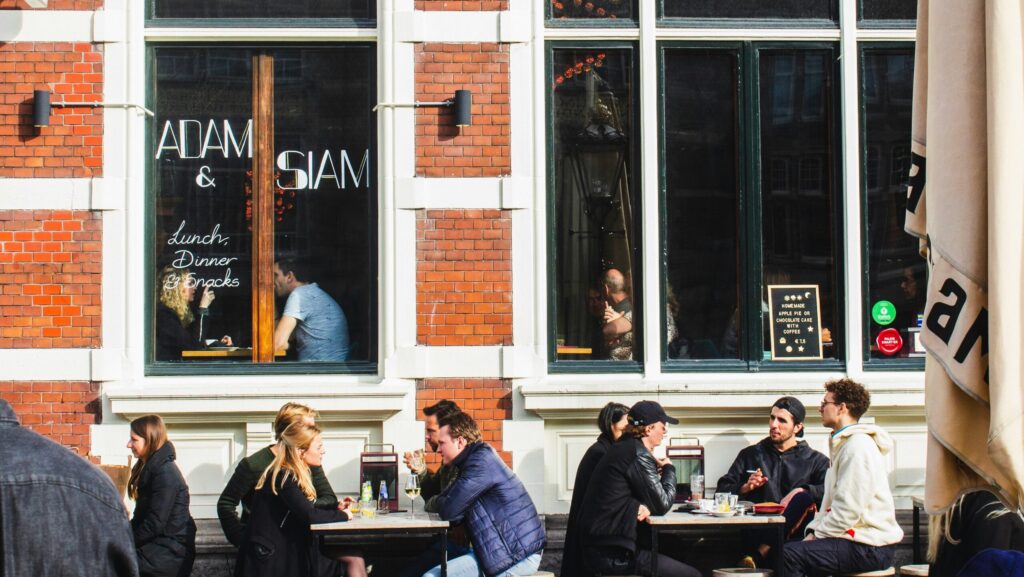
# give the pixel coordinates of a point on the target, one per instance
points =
(49, 279)
(463, 5)
(480, 150)
(488, 401)
(54, 5)
(62, 410)
(71, 147)
(463, 277)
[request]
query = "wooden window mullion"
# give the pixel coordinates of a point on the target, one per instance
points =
(263, 209)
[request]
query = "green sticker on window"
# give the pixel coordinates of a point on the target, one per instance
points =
(884, 312)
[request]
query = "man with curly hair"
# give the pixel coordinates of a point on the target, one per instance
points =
(856, 529)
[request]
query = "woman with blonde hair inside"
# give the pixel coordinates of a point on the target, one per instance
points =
(174, 316)
(164, 532)
(278, 542)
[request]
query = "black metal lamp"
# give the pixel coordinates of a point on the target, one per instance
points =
(599, 161)
(41, 108)
(461, 104)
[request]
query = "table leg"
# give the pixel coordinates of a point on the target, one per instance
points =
(444, 553)
(654, 551)
(780, 542)
(917, 534)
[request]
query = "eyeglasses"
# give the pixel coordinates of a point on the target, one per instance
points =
(821, 407)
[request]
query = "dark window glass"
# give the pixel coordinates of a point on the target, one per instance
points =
(597, 10)
(246, 9)
(596, 257)
(798, 195)
(896, 273)
(324, 196)
(702, 199)
(752, 9)
(888, 10)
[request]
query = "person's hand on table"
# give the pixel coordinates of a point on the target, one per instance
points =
(757, 480)
(789, 497)
(643, 513)
(226, 341)
(345, 503)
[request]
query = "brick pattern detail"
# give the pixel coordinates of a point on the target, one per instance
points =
(54, 5)
(480, 150)
(61, 410)
(463, 5)
(488, 401)
(463, 277)
(50, 279)
(72, 146)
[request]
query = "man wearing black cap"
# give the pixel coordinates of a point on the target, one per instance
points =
(628, 486)
(781, 469)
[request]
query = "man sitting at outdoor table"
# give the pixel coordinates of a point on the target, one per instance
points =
(856, 530)
(506, 533)
(780, 468)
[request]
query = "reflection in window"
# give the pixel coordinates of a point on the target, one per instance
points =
(825, 10)
(896, 273)
(264, 9)
(888, 10)
(604, 11)
(800, 240)
(595, 262)
(323, 193)
(701, 204)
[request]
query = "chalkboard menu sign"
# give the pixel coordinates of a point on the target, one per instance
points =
(795, 322)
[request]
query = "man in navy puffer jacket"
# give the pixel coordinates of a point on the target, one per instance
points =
(506, 533)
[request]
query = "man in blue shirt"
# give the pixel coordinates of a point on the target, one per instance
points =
(310, 315)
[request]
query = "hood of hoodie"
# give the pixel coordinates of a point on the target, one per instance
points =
(876, 433)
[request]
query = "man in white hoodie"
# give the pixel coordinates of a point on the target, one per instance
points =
(856, 529)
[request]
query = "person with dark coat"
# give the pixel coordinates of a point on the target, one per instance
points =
(176, 326)
(502, 523)
(781, 469)
(976, 521)
(164, 532)
(278, 541)
(242, 487)
(59, 513)
(627, 487)
(612, 422)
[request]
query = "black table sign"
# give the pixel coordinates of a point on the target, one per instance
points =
(795, 322)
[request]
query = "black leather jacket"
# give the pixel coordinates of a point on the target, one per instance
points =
(626, 478)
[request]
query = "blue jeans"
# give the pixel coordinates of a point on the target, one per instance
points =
(467, 566)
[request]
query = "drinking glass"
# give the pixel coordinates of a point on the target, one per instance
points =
(412, 490)
(722, 502)
(368, 509)
(733, 501)
(696, 487)
(417, 463)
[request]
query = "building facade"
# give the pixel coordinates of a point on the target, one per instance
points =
(634, 176)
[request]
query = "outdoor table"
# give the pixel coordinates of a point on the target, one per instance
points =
(390, 525)
(918, 504)
(673, 521)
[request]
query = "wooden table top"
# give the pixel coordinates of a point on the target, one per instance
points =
(395, 521)
(673, 519)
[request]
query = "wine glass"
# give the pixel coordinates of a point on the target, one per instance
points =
(412, 490)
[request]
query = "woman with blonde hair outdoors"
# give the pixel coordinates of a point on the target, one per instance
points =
(242, 486)
(278, 542)
(164, 532)
(174, 316)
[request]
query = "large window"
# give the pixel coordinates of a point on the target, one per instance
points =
(263, 12)
(750, 196)
(263, 208)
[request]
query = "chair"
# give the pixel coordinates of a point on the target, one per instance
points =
(914, 570)
(887, 572)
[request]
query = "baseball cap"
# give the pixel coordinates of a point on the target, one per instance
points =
(795, 408)
(649, 412)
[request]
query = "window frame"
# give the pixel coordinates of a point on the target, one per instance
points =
(750, 212)
(748, 23)
(152, 21)
(877, 24)
(555, 366)
(249, 367)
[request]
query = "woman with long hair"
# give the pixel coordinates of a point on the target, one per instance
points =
(174, 316)
(164, 532)
(278, 542)
(611, 421)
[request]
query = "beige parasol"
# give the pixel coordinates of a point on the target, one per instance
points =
(966, 203)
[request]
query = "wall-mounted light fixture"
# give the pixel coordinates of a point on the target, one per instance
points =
(461, 103)
(41, 107)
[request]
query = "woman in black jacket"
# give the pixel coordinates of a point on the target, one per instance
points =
(628, 486)
(278, 541)
(176, 326)
(612, 422)
(164, 532)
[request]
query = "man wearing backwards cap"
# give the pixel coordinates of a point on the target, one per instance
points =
(628, 486)
(780, 468)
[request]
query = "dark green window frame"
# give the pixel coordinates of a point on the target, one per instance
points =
(154, 22)
(873, 364)
(876, 24)
(589, 366)
(750, 230)
(551, 22)
(673, 22)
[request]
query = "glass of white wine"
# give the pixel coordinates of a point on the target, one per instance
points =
(412, 490)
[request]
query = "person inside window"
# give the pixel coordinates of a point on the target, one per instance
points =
(311, 317)
(278, 541)
(177, 326)
(165, 534)
(618, 317)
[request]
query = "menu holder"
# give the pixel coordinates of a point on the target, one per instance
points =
(795, 322)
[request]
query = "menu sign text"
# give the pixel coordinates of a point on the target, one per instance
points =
(795, 322)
